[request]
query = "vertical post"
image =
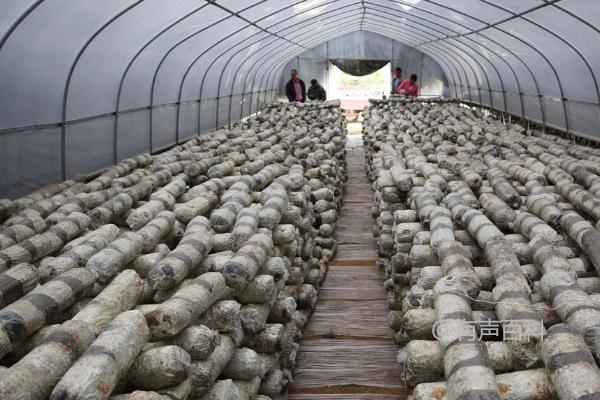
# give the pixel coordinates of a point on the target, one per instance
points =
(116, 138)
(392, 62)
(63, 152)
(229, 112)
(421, 71)
(199, 108)
(327, 67)
(542, 109)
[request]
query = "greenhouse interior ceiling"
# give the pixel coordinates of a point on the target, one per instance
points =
(84, 84)
(299, 200)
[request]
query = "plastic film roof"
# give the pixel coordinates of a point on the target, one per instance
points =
(95, 81)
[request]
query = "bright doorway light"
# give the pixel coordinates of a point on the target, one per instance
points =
(355, 91)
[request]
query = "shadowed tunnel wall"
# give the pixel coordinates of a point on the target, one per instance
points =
(369, 46)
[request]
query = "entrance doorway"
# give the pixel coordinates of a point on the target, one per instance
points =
(358, 82)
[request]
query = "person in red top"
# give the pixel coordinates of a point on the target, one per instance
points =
(409, 87)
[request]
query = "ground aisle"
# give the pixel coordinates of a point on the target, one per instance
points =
(348, 350)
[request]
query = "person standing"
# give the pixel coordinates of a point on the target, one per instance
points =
(316, 91)
(409, 87)
(295, 89)
(396, 80)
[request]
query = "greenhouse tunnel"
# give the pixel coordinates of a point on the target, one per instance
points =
(157, 185)
(186, 67)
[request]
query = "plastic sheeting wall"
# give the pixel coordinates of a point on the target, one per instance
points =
(85, 83)
(369, 46)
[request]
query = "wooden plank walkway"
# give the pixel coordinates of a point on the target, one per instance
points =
(347, 350)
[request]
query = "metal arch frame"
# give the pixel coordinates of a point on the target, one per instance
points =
(451, 61)
(351, 23)
(300, 26)
(249, 72)
(162, 61)
(13, 27)
(471, 56)
(275, 40)
(508, 50)
(274, 65)
(247, 58)
(126, 71)
(168, 52)
(408, 16)
(575, 16)
(442, 61)
(547, 3)
(264, 47)
(404, 13)
(583, 58)
(560, 86)
(321, 5)
(151, 107)
(285, 60)
(191, 65)
(362, 2)
(486, 24)
(253, 84)
(575, 49)
(249, 23)
(274, 72)
(542, 108)
(463, 59)
(63, 128)
(348, 28)
(32, 7)
(449, 64)
(515, 76)
(465, 74)
(276, 35)
(457, 52)
(253, 23)
(279, 62)
(581, 20)
(330, 37)
(540, 26)
(261, 58)
(474, 58)
(204, 80)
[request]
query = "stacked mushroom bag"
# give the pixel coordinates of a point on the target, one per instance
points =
(184, 275)
(485, 235)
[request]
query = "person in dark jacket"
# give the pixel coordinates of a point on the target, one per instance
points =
(397, 80)
(316, 91)
(295, 89)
